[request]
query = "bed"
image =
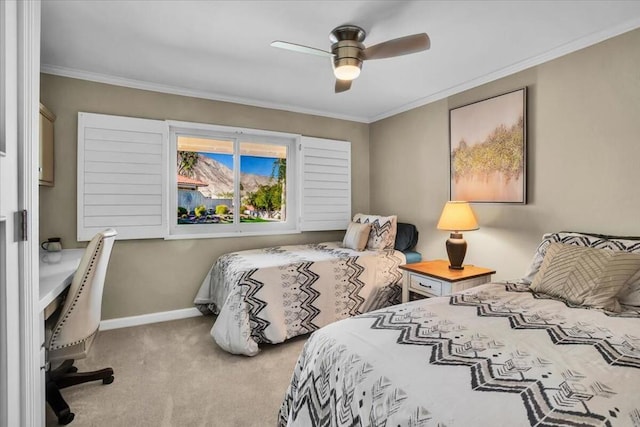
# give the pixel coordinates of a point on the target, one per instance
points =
(501, 354)
(273, 294)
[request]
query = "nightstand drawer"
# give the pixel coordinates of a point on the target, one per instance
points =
(425, 285)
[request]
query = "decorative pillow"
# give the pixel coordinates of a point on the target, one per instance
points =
(383, 230)
(585, 276)
(600, 241)
(356, 236)
(628, 296)
(406, 237)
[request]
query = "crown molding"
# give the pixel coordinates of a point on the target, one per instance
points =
(559, 51)
(175, 90)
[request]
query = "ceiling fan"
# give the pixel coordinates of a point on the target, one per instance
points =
(348, 52)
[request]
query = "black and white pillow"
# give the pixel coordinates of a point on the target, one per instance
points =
(629, 295)
(586, 276)
(383, 230)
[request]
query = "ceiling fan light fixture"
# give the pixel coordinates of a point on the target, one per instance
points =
(347, 68)
(347, 72)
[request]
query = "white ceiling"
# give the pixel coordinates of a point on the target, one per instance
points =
(220, 49)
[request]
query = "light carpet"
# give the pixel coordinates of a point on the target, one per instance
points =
(174, 374)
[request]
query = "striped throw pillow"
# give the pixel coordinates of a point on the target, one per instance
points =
(600, 241)
(585, 276)
(356, 236)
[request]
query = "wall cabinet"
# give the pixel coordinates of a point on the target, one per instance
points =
(45, 164)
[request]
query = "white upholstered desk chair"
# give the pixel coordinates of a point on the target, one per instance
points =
(76, 324)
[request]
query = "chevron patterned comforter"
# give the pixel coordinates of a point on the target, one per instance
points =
(495, 355)
(270, 295)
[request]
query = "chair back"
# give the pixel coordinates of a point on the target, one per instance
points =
(79, 320)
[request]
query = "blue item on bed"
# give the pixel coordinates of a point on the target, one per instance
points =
(406, 240)
(413, 256)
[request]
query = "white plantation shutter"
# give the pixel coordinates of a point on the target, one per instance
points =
(325, 184)
(122, 170)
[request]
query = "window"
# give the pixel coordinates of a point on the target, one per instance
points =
(232, 180)
(166, 179)
(205, 180)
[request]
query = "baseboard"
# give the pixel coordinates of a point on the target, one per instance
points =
(143, 319)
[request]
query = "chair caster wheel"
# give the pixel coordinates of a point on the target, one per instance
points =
(108, 380)
(72, 369)
(66, 418)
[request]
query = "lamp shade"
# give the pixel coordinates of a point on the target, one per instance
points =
(457, 216)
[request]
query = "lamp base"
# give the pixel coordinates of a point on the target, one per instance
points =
(456, 250)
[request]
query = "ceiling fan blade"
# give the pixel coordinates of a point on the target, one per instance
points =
(343, 85)
(400, 46)
(300, 48)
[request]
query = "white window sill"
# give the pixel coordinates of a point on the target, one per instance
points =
(230, 234)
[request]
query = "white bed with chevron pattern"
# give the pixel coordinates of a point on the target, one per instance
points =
(273, 294)
(495, 355)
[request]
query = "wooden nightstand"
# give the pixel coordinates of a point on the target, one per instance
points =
(434, 278)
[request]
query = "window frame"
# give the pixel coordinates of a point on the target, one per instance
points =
(237, 135)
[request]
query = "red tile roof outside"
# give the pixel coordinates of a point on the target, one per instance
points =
(189, 181)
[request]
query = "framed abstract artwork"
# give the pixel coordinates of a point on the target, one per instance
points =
(487, 141)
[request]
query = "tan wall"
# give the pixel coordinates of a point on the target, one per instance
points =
(583, 158)
(583, 155)
(147, 276)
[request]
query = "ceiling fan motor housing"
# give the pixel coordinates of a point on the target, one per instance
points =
(347, 46)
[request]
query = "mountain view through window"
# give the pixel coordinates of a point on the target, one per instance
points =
(207, 181)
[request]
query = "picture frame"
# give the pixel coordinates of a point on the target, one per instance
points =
(488, 150)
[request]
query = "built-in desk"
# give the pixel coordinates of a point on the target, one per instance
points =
(56, 272)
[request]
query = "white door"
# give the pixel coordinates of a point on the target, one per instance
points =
(21, 402)
(9, 255)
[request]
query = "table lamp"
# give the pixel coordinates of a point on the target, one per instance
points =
(456, 217)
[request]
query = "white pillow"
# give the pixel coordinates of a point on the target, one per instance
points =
(383, 230)
(356, 236)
